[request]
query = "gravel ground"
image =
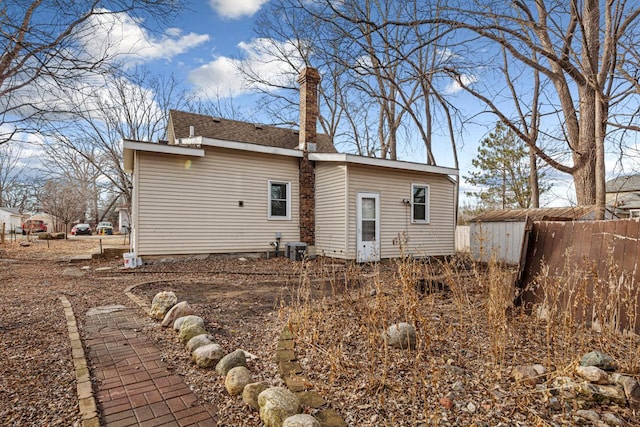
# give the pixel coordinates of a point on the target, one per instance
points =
(241, 301)
(245, 304)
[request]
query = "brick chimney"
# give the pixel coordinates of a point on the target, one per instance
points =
(309, 79)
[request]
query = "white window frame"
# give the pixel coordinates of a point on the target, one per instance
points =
(634, 213)
(288, 200)
(427, 205)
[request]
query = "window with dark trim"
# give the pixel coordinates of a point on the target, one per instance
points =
(279, 200)
(419, 203)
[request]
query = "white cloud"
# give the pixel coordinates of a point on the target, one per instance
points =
(456, 85)
(221, 78)
(122, 37)
(234, 9)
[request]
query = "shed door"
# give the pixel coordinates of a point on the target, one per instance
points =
(368, 227)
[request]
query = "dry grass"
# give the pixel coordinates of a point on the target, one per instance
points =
(469, 338)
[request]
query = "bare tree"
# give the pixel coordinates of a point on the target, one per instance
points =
(64, 200)
(25, 194)
(134, 108)
(11, 167)
(582, 49)
(63, 162)
(380, 83)
(43, 47)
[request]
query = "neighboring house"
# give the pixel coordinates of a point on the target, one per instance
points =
(11, 218)
(236, 187)
(501, 234)
(623, 196)
(123, 220)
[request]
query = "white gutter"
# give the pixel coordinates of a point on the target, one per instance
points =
(244, 146)
(384, 163)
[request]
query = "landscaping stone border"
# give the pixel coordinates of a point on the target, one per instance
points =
(292, 373)
(288, 367)
(86, 398)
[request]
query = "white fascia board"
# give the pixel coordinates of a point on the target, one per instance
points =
(384, 163)
(244, 146)
(129, 147)
(183, 150)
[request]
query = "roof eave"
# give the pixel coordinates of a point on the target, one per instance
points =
(245, 146)
(385, 163)
(130, 147)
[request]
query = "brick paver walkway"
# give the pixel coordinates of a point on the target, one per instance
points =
(134, 386)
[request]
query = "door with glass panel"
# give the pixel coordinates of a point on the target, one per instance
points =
(368, 227)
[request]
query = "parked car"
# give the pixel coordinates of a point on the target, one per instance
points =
(104, 227)
(79, 229)
(34, 226)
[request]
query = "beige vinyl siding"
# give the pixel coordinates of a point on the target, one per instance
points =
(331, 209)
(191, 205)
(435, 238)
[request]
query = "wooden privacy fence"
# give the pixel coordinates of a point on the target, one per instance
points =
(584, 271)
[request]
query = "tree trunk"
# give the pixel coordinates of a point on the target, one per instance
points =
(534, 189)
(600, 189)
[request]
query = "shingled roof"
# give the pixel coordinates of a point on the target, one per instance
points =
(233, 130)
(623, 184)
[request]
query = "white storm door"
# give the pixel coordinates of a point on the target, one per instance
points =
(368, 227)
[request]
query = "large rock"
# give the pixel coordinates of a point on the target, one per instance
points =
(401, 335)
(631, 388)
(528, 374)
(251, 392)
(189, 320)
(599, 360)
(237, 378)
(161, 303)
(178, 323)
(207, 355)
(603, 393)
(593, 374)
(301, 420)
(199, 341)
(186, 333)
(181, 309)
(276, 405)
(230, 361)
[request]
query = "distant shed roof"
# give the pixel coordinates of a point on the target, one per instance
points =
(623, 184)
(233, 130)
(13, 211)
(571, 213)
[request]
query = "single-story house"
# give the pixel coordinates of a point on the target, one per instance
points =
(503, 233)
(11, 219)
(623, 196)
(237, 187)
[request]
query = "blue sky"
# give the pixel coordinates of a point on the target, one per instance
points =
(203, 46)
(216, 33)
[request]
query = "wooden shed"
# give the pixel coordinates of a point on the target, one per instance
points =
(502, 233)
